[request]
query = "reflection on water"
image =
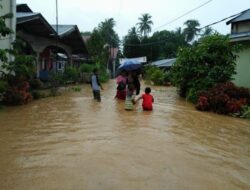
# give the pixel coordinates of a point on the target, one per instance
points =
(73, 142)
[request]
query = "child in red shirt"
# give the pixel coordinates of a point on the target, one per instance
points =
(148, 100)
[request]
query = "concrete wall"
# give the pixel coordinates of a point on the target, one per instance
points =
(242, 78)
(241, 27)
(9, 6)
(38, 43)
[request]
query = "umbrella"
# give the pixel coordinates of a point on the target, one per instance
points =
(130, 65)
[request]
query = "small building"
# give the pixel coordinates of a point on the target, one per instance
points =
(53, 45)
(165, 64)
(240, 33)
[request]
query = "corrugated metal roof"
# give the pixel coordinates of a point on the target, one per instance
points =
(64, 29)
(242, 17)
(164, 62)
(23, 8)
(25, 14)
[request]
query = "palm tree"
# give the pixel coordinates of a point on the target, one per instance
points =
(208, 31)
(191, 29)
(132, 32)
(107, 30)
(145, 24)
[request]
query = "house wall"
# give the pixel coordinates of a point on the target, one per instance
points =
(8, 6)
(241, 27)
(242, 78)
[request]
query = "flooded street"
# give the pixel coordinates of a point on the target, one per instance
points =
(72, 142)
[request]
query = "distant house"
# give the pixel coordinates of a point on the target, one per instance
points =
(240, 33)
(54, 46)
(164, 63)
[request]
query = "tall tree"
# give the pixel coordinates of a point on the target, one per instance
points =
(191, 29)
(145, 23)
(107, 30)
(208, 31)
(130, 44)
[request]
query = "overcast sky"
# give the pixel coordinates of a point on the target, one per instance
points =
(87, 14)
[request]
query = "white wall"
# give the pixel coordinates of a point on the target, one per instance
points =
(8, 6)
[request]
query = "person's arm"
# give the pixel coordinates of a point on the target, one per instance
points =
(98, 82)
(137, 99)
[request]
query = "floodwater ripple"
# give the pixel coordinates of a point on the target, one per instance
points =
(73, 142)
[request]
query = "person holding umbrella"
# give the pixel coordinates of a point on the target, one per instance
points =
(121, 81)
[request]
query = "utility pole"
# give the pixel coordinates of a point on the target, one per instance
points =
(56, 33)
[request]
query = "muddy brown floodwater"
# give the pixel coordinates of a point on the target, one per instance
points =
(72, 142)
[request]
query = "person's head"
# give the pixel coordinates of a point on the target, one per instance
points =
(147, 90)
(124, 73)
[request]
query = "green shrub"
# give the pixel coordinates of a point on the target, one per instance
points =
(37, 95)
(36, 84)
(70, 74)
(86, 68)
(103, 77)
(76, 89)
(155, 75)
(204, 65)
(245, 112)
(3, 86)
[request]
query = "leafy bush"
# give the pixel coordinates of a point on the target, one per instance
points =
(17, 92)
(204, 65)
(3, 86)
(37, 95)
(70, 74)
(36, 84)
(245, 112)
(103, 77)
(156, 75)
(86, 68)
(224, 98)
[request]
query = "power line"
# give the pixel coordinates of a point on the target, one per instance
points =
(152, 43)
(192, 10)
(223, 19)
(146, 44)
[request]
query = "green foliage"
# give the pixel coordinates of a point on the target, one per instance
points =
(70, 74)
(245, 112)
(3, 86)
(102, 38)
(23, 65)
(4, 32)
(202, 66)
(191, 29)
(163, 44)
(76, 89)
(103, 75)
(37, 95)
(155, 75)
(145, 23)
(86, 68)
(36, 84)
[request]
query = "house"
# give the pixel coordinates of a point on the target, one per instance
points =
(8, 6)
(240, 33)
(53, 45)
